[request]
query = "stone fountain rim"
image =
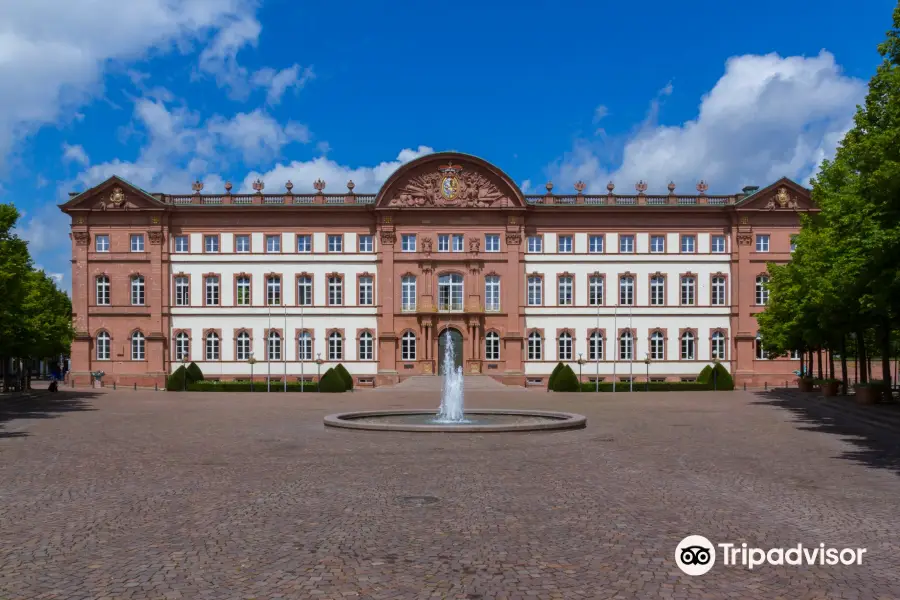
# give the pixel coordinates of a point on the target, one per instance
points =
(560, 421)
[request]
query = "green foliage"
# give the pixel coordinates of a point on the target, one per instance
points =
(665, 386)
(556, 371)
(176, 381)
(244, 386)
(194, 374)
(705, 374)
(331, 383)
(722, 379)
(345, 376)
(566, 381)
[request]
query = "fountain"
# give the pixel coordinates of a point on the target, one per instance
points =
(452, 391)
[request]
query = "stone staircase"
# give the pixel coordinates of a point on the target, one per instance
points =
(431, 383)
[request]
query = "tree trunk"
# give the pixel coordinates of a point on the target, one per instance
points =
(844, 364)
(802, 362)
(886, 360)
(830, 364)
(819, 355)
(861, 359)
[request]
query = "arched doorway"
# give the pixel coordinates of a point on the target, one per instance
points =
(457, 340)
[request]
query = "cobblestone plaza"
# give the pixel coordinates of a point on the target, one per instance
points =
(166, 495)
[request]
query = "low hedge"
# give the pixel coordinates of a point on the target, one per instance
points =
(244, 386)
(345, 375)
(641, 386)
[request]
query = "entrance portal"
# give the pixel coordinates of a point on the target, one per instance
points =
(457, 340)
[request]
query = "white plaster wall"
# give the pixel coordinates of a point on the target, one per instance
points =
(642, 243)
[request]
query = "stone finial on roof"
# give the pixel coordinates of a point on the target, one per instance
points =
(351, 185)
(228, 187)
(702, 187)
(671, 187)
(579, 186)
(319, 185)
(289, 186)
(197, 186)
(258, 185)
(641, 186)
(549, 187)
(610, 187)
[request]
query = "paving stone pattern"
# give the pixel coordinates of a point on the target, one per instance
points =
(142, 495)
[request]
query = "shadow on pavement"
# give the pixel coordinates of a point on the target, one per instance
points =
(43, 405)
(875, 446)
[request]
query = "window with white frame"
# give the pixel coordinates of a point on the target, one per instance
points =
(182, 291)
(273, 243)
(366, 243)
(273, 347)
(137, 346)
(564, 244)
(535, 346)
(717, 345)
(535, 244)
(565, 346)
(688, 346)
(242, 346)
(595, 244)
(273, 290)
(212, 290)
(626, 290)
(535, 290)
(212, 346)
(595, 346)
(444, 242)
(182, 346)
(335, 290)
(450, 291)
(366, 346)
(211, 243)
(762, 290)
(657, 346)
(304, 346)
(304, 290)
(408, 293)
(335, 346)
(335, 243)
(408, 346)
(137, 242)
(103, 346)
(595, 290)
(137, 290)
(182, 244)
(688, 244)
(657, 244)
(793, 243)
(717, 244)
(492, 346)
(242, 289)
(242, 244)
(492, 293)
(366, 290)
(795, 355)
(101, 243)
(408, 242)
(657, 290)
(492, 242)
(304, 243)
(458, 242)
(688, 290)
(717, 290)
(761, 353)
(565, 291)
(626, 346)
(103, 290)
(762, 242)
(626, 244)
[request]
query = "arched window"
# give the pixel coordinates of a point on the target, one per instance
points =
(688, 346)
(492, 346)
(535, 351)
(242, 347)
(304, 346)
(718, 345)
(762, 290)
(657, 346)
(565, 346)
(212, 346)
(366, 346)
(761, 353)
(103, 290)
(274, 346)
(595, 346)
(182, 343)
(103, 345)
(137, 346)
(408, 292)
(408, 346)
(450, 291)
(335, 346)
(626, 346)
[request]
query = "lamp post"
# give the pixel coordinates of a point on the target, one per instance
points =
(581, 361)
(715, 382)
(183, 372)
(252, 362)
(319, 362)
(647, 362)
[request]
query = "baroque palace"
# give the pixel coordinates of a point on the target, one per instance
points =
(285, 285)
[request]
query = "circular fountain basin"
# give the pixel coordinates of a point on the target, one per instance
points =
(476, 421)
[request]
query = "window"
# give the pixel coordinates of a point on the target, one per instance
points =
(450, 291)
(492, 242)
(242, 289)
(657, 290)
(211, 243)
(717, 291)
(688, 244)
(212, 290)
(103, 290)
(137, 290)
(182, 291)
(795, 355)
(335, 290)
(366, 243)
(717, 243)
(335, 346)
(535, 291)
(366, 346)
(761, 353)
(687, 346)
(443, 242)
(408, 346)
(447, 242)
(242, 244)
(565, 346)
(762, 242)
(457, 242)
(718, 345)
(626, 244)
(408, 292)
(103, 345)
(626, 290)
(273, 243)
(212, 346)
(242, 350)
(182, 344)
(304, 346)
(101, 243)
(535, 244)
(534, 346)
(492, 293)
(793, 243)
(304, 290)
(565, 291)
(657, 244)
(688, 289)
(304, 243)
(273, 290)
(595, 346)
(273, 347)
(762, 290)
(626, 346)
(595, 244)
(492, 346)
(564, 244)
(182, 244)
(595, 290)
(137, 346)
(137, 242)
(366, 291)
(335, 243)
(657, 346)
(408, 242)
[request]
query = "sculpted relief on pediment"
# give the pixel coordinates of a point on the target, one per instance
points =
(116, 200)
(450, 185)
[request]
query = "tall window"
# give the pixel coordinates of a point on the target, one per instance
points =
(273, 290)
(137, 346)
(335, 290)
(657, 346)
(273, 243)
(443, 242)
(335, 346)
(242, 244)
(366, 243)
(717, 244)
(535, 351)
(626, 244)
(565, 346)
(762, 242)
(657, 290)
(273, 347)
(335, 243)
(101, 243)
(366, 291)
(212, 290)
(450, 291)
(408, 292)
(103, 290)
(458, 242)
(304, 346)
(688, 346)
(565, 291)
(182, 291)
(657, 244)
(242, 349)
(595, 346)
(242, 289)
(492, 293)
(717, 291)
(211, 243)
(626, 290)
(688, 244)
(761, 353)
(182, 244)
(212, 346)
(408, 346)
(492, 242)
(762, 290)
(564, 244)
(718, 345)
(182, 343)
(535, 244)
(408, 242)
(595, 290)
(137, 290)
(137, 242)
(103, 346)
(304, 290)
(492, 346)
(304, 243)
(366, 346)
(535, 291)
(595, 244)
(688, 290)
(626, 346)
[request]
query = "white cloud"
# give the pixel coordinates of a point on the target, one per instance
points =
(257, 134)
(765, 118)
(278, 82)
(75, 153)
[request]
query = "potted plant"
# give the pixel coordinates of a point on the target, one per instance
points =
(98, 378)
(870, 392)
(830, 387)
(806, 384)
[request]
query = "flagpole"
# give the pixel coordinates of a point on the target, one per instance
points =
(302, 354)
(616, 342)
(269, 353)
(284, 349)
(633, 349)
(597, 350)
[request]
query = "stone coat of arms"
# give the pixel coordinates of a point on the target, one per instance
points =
(450, 186)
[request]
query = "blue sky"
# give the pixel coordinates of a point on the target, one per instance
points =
(163, 92)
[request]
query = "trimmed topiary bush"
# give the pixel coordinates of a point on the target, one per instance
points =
(722, 380)
(556, 371)
(176, 381)
(345, 375)
(331, 383)
(705, 374)
(566, 381)
(194, 374)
